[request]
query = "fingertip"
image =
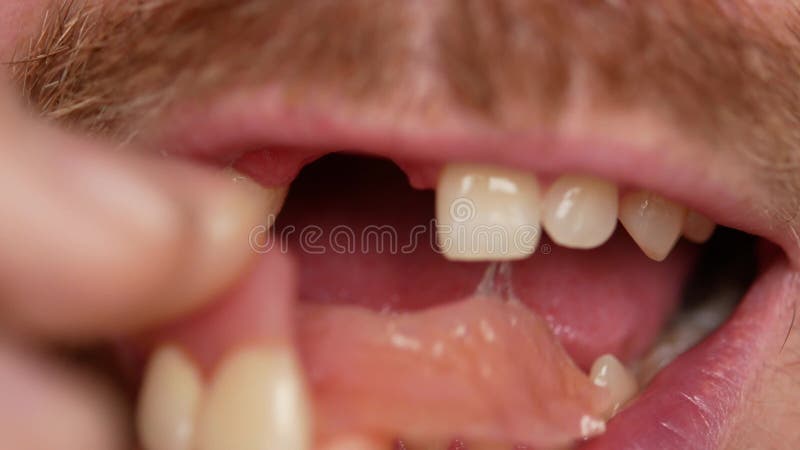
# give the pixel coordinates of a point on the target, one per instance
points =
(107, 243)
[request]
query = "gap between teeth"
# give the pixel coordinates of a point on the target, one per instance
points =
(491, 213)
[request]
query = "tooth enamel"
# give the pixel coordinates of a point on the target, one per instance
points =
(653, 222)
(697, 227)
(257, 401)
(168, 401)
(592, 426)
(580, 211)
(274, 196)
(487, 213)
(608, 372)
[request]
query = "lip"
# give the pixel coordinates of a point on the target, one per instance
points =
(692, 403)
(703, 389)
(702, 179)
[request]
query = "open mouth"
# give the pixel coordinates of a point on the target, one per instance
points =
(409, 298)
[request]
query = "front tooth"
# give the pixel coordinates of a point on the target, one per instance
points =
(653, 222)
(257, 400)
(608, 372)
(169, 401)
(487, 213)
(580, 211)
(697, 227)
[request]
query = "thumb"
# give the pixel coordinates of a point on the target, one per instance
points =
(96, 242)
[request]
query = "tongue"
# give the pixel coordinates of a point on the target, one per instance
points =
(482, 369)
(364, 237)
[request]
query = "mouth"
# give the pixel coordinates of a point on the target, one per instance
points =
(446, 286)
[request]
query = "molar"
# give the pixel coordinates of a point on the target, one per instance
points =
(697, 227)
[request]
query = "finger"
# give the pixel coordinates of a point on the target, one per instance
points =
(98, 242)
(45, 406)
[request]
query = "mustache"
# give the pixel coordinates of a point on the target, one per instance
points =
(732, 82)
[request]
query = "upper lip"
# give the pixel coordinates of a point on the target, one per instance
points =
(699, 178)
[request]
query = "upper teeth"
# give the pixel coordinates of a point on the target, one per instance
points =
(273, 196)
(697, 228)
(488, 213)
(654, 222)
(580, 212)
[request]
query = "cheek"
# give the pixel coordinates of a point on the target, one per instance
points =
(17, 17)
(770, 420)
(780, 18)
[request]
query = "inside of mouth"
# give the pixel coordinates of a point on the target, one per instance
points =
(365, 239)
(400, 343)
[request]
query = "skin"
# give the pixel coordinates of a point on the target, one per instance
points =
(737, 96)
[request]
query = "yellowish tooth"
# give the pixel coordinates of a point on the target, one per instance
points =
(608, 372)
(275, 196)
(168, 401)
(580, 211)
(697, 227)
(261, 238)
(487, 213)
(653, 222)
(257, 401)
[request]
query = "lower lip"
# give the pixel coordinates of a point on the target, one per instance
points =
(693, 402)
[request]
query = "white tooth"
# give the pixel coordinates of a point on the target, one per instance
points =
(580, 211)
(697, 227)
(608, 372)
(653, 222)
(487, 213)
(592, 426)
(168, 401)
(256, 401)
